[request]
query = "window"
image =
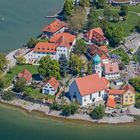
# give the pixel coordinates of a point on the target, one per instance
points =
(99, 93)
(126, 97)
(85, 100)
(126, 100)
(131, 97)
(90, 96)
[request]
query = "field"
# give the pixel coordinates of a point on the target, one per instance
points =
(17, 69)
(124, 57)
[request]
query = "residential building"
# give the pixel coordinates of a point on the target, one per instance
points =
(26, 75)
(123, 96)
(111, 71)
(102, 51)
(54, 28)
(89, 89)
(51, 87)
(96, 36)
(59, 44)
(111, 103)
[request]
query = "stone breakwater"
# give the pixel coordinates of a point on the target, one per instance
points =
(29, 106)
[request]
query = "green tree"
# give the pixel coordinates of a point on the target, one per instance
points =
(76, 21)
(49, 67)
(114, 35)
(137, 104)
(98, 112)
(32, 42)
(135, 82)
(138, 27)
(100, 3)
(56, 106)
(107, 13)
(80, 47)
(21, 60)
(93, 20)
(8, 96)
(20, 85)
(84, 3)
(3, 62)
(68, 7)
(123, 10)
(76, 64)
(89, 68)
(63, 65)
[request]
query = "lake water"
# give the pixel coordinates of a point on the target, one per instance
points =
(22, 19)
(15, 124)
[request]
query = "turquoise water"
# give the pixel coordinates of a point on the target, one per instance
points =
(22, 19)
(15, 124)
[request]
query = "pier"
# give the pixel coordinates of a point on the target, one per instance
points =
(58, 14)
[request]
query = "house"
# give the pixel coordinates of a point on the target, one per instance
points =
(54, 28)
(51, 87)
(89, 89)
(111, 71)
(59, 44)
(96, 36)
(123, 96)
(26, 75)
(102, 51)
(111, 103)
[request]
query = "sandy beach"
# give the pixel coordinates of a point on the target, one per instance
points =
(29, 107)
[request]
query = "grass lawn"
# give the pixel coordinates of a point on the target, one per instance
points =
(135, 8)
(17, 69)
(124, 57)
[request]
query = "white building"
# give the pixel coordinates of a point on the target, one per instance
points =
(59, 44)
(89, 89)
(51, 87)
(111, 71)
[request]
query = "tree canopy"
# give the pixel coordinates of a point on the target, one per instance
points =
(20, 85)
(3, 61)
(49, 67)
(135, 82)
(84, 3)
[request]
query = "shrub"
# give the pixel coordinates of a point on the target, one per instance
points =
(56, 106)
(98, 112)
(8, 96)
(70, 109)
(137, 104)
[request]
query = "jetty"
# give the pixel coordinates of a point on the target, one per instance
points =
(56, 15)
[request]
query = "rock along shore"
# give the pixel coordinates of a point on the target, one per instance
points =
(29, 107)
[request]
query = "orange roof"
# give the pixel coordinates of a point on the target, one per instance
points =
(91, 84)
(111, 68)
(129, 87)
(95, 33)
(54, 83)
(45, 47)
(115, 91)
(54, 26)
(111, 103)
(101, 51)
(25, 75)
(64, 39)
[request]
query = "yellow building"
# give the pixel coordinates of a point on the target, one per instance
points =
(124, 96)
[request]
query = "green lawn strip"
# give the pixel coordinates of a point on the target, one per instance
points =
(124, 57)
(17, 69)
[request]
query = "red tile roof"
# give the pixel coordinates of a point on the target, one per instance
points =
(25, 75)
(101, 51)
(91, 84)
(64, 39)
(111, 103)
(54, 83)
(54, 26)
(128, 87)
(115, 91)
(111, 68)
(96, 34)
(45, 47)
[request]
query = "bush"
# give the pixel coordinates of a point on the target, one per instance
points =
(137, 104)
(8, 96)
(70, 109)
(98, 112)
(56, 106)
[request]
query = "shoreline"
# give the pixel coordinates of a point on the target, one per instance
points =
(43, 112)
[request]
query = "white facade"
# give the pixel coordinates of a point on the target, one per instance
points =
(88, 99)
(32, 56)
(112, 76)
(97, 69)
(48, 89)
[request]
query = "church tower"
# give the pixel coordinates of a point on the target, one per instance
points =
(97, 66)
